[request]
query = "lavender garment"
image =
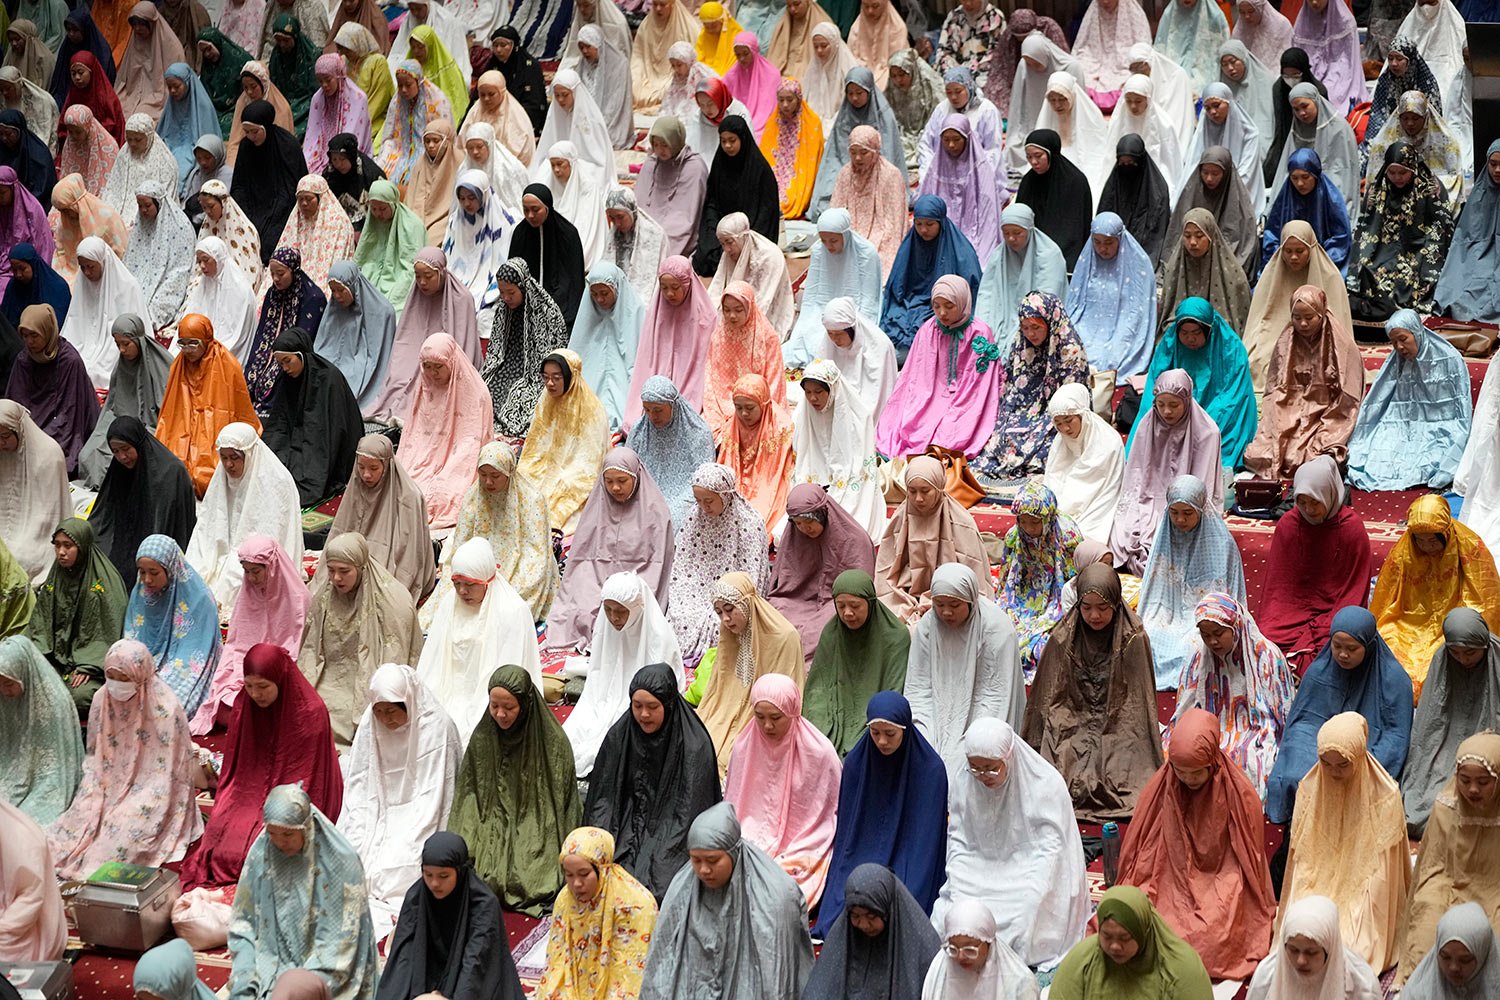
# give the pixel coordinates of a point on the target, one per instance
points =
(941, 397)
(24, 222)
(1331, 40)
(969, 186)
(59, 395)
(805, 568)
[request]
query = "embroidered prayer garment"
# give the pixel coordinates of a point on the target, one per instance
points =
(95, 307)
(1092, 710)
(925, 532)
(476, 244)
(1460, 699)
(160, 257)
(752, 931)
(371, 72)
(1220, 375)
(135, 804)
(261, 500)
(957, 673)
(1164, 965)
(1416, 590)
(34, 476)
(1435, 143)
(1111, 302)
(750, 345)
(942, 397)
(346, 112)
(304, 911)
(1468, 925)
(448, 423)
(234, 229)
(598, 947)
(1313, 391)
(298, 303)
(787, 788)
(287, 742)
(514, 520)
(835, 447)
(864, 356)
(1104, 38)
(1303, 263)
(1330, 137)
(637, 241)
(674, 340)
(1402, 239)
(759, 454)
(517, 823)
(1215, 274)
(1086, 466)
(1344, 975)
(1011, 274)
(372, 621)
(873, 191)
(919, 262)
(79, 612)
(318, 230)
(893, 962)
(1348, 842)
(566, 442)
(1249, 689)
(673, 450)
(1015, 847)
(203, 397)
(178, 622)
(1197, 851)
(805, 569)
(1031, 374)
(40, 737)
(399, 144)
(400, 783)
(35, 928)
(467, 642)
(154, 497)
(793, 145)
(1184, 567)
(1034, 569)
(1267, 34)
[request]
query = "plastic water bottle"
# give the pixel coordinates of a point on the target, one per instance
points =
(1111, 853)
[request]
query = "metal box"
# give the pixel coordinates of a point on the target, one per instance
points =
(40, 980)
(126, 907)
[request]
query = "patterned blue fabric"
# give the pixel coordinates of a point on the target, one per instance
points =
(1112, 303)
(1414, 421)
(606, 341)
(1221, 377)
(919, 263)
(179, 623)
(1323, 209)
(672, 453)
(1185, 567)
(306, 910)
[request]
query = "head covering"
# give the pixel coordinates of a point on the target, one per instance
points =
(599, 945)
(758, 921)
(141, 82)
(1268, 36)
(93, 42)
(388, 516)
(1331, 40)
(1271, 306)
(522, 338)
(97, 304)
(1138, 194)
(142, 753)
(1392, 264)
(225, 298)
(236, 230)
(1415, 590)
(1330, 137)
(876, 113)
(266, 176)
(1104, 37)
(968, 185)
(1461, 290)
(568, 437)
(1233, 208)
(170, 971)
(674, 340)
(919, 263)
(163, 620)
(1468, 925)
(160, 256)
(356, 339)
(852, 665)
(1112, 303)
(41, 738)
(45, 287)
(24, 221)
(1216, 276)
(1060, 197)
(448, 423)
(1002, 975)
(400, 139)
(386, 254)
(1344, 974)
(1163, 965)
(1191, 35)
(825, 75)
(325, 238)
(893, 963)
(154, 497)
(187, 119)
(915, 544)
(54, 389)
(672, 453)
(793, 146)
(1035, 569)
(221, 78)
(352, 189)
(98, 95)
(79, 610)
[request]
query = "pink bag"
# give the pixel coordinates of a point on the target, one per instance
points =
(201, 917)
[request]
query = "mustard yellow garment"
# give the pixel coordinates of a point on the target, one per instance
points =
(596, 950)
(1348, 842)
(566, 444)
(1460, 857)
(794, 154)
(1415, 592)
(717, 52)
(373, 76)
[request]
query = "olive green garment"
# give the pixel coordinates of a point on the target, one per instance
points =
(16, 598)
(517, 799)
(1165, 967)
(851, 666)
(79, 612)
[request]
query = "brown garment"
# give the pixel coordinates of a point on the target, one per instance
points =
(1459, 861)
(1092, 710)
(791, 43)
(916, 544)
(1216, 276)
(1313, 391)
(186, 18)
(391, 516)
(1198, 853)
(430, 190)
(1271, 306)
(367, 13)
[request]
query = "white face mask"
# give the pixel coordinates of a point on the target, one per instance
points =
(120, 690)
(1290, 81)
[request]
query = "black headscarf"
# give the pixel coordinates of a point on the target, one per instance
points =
(352, 189)
(266, 176)
(554, 253)
(1060, 198)
(893, 964)
(1281, 105)
(1139, 196)
(154, 498)
(456, 946)
(741, 183)
(31, 160)
(646, 789)
(314, 423)
(523, 77)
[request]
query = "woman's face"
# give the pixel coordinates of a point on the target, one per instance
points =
(1059, 102)
(922, 496)
(1015, 237)
(554, 380)
(660, 414)
(1348, 652)
(1069, 425)
(92, 269)
(1105, 247)
(81, 75)
(1295, 254)
(1306, 321)
(1096, 612)
(502, 48)
(1191, 334)
(1038, 159)
(1313, 510)
(1195, 241)
(281, 275)
(261, 690)
(706, 105)
(927, 229)
(139, 143)
(947, 311)
(1136, 104)
(429, 280)
(709, 502)
(1232, 66)
(1492, 167)
(128, 348)
(562, 168)
(1218, 638)
(436, 373)
(1117, 943)
(504, 708)
(1212, 175)
(563, 97)
(510, 294)
(255, 133)
(478, 150)
(154, 577)
(1404, 341)
(951, 610)
(1305, 954)
(177, 88)
(342, 294)
(747, 412)
(673, 290)
(822, 47)
(648, 711)
(729, 143)
(620, 485)
(1034, 330)
(958, 95)
(20, 271)
(1306, 110)
(954, 142)
(1217, 110)
(1184, 516)
(772, 722)
(1475, 783)
(1457, 963)
(1399, 175)
(345, 577)
(735, 311)
(816, 393)
(856, 95)
(251, 88)
(581, 877)
(731, 618)
(1428, 543)
(307, 205)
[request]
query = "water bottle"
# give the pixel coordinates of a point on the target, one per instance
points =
(1111, 853)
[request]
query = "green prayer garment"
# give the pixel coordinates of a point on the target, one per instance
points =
(851, 666)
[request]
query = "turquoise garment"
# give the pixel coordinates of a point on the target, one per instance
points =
(40, 741)
(1221, 377)
(1414, 421)
(1008, 276)
(307, 910)
(169, 971)
(606, 341)
(186, 121)
(179, 623)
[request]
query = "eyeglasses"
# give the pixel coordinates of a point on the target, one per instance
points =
(967, 951)
(189, 345)
(986, 772)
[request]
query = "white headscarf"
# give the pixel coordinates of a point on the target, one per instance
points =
(1015, 848)
(467, 644)
(1085, 472)
(1346, 976)
(608, 80)
(1154, 127)
(1081, 130)
(1173, 90)
(615, 656)
(855, 273)
(400, 788)
(227, 299)
(1002, 977)
(160, 256)
(131, 171)
(823, 82)
(34, 496)
(1028, 94)
(957, 674)
(477, 245)
(1440, 34)
(580, 200)
(584, 126)
(96, 305)
(507, 175)
(868, 365)
(263, 501)
(835, 448)
(763, 265)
